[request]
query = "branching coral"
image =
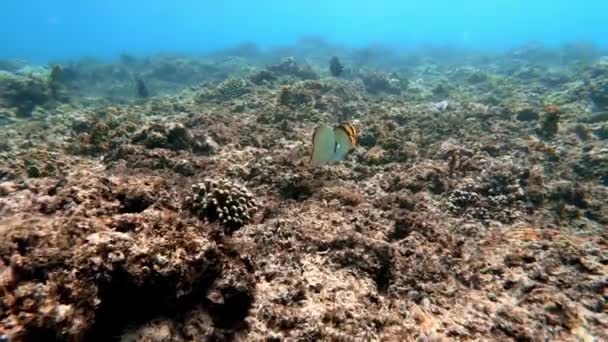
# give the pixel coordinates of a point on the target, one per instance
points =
(233, 205)
(232, 88)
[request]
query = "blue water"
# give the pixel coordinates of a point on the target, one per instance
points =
(41, 30)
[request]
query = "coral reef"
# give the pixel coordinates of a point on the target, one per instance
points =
(140, 88)
(472, 208)
(262, 77)
(377, 82)
(294, 96)
(24, 92)
(597, 83)
(289, 67)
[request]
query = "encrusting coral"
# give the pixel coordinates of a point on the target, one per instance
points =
(232, 204)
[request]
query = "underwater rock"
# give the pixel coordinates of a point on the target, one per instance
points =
(128, 59)
(594, 165)
(347, 197)
(153, 331)
(555, 79)
(597, 83)
(175, 137)
(526, 113)
(375, 155)
(123, 266)
(378, 82)
(598, 92)
(289, 67)
(596, 117)
(496, 194)
(580, 52)
(11, 65)
(441, 91)
(582, 132)
(532, 52)
(233, 205)
(407, 152)
(549, 122)
(294, 96)
(262, 77)
(478, 77)
(347, 111)
(602, 132)
(97, 132)
(369, 137)
(141, 90)
(54, 81)
(7, 116)
(24, 92)
(304, 94)
(245, 50)
(335, 67)
(161, 74)
(529, 73)
(177, 69)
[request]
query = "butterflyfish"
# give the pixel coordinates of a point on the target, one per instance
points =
(332, 144)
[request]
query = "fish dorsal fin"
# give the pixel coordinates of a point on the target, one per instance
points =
(323, 146)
